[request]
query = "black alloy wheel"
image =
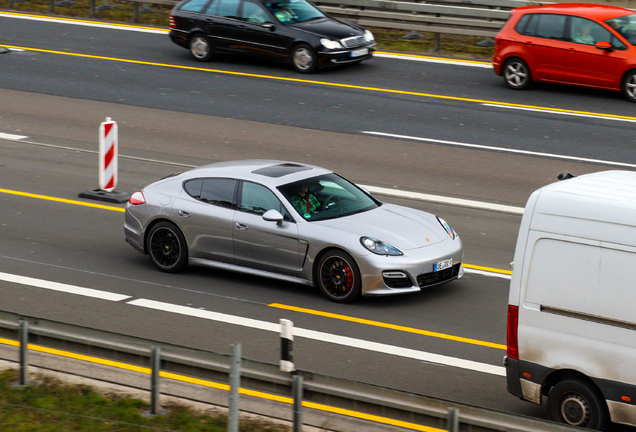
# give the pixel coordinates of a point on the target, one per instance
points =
(200, 47)
(167, 247)
(516, 74)
(577, 403)
(304, 59)
(629, 86)
(339, 277)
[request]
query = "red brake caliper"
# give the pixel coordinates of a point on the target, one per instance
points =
(349, 274)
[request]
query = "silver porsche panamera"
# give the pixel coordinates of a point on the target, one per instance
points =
(293, 222)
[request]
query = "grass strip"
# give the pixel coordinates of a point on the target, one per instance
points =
(51, 405)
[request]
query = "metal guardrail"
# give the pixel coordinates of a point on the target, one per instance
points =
(462, 17)
(260, 376)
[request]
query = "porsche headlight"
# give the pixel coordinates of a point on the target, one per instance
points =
(451, 232)
(378, 247)
(368, 36)
(330, 44)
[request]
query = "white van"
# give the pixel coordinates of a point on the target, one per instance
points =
(572, 305)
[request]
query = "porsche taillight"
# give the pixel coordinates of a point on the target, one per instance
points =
(137, 198)
(172, 24)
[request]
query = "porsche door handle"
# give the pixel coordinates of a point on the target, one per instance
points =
(242, 226)
(184, 214)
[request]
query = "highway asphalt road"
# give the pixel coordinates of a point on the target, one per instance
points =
(170, 119)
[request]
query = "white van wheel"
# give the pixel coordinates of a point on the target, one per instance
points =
(576, 403)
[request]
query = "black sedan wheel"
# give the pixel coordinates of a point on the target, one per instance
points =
(304, 59)
(339, 277)
(629, 86)
(167, 247)
(516, 74)
(200, 48)
(575, 403)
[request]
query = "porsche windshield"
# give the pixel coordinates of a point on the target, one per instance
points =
(327, 197)
(293, 11)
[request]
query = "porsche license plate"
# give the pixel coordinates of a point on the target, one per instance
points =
(443, 265)
(359, 52)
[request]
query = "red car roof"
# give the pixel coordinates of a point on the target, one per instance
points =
(586, 10)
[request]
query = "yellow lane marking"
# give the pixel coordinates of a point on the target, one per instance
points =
(388, 326)
(212, 384)
(328, 84)
(9, 342)
(489, 269)
(83, 21)
(118, 365)
(62, 200)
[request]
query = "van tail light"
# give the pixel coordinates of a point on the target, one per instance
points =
(513, 321)
(172, 24)
(137, 198)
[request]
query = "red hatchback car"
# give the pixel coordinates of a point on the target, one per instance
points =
(580, 44)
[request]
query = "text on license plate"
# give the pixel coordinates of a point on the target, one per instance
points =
(359, 52)
(443, 265)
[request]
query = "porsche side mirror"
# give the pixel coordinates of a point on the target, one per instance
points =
(273, 216)
(604, 45)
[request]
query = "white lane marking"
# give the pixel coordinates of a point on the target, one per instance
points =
(54, 286)
(503, 150)
(444, 200)
(476, 64)
(487, 273)
(6, 136)
(323, 337)
(85, 23)
(594, 116)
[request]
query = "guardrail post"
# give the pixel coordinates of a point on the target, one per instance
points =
(286, 346)
(23, 337)
(297, 390)
(235, 384)
(453, 420)
(92, 9)
(438, 42)
(155, 364)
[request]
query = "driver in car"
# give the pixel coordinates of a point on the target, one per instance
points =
(304, 201)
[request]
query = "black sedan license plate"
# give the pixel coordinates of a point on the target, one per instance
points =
(359, 52)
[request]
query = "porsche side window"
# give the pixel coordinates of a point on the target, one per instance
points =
(193, 188)
(193, 6)
(258, 199)
(218, 192)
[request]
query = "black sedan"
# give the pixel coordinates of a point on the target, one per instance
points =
(292, 31)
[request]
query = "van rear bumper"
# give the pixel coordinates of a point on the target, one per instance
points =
(512, 376)
(525, 379)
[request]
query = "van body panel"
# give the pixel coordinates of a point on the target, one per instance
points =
(573, 283)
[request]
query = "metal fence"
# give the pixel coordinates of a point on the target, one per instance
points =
(210, 377)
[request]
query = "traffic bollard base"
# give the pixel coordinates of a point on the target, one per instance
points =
(102, 195)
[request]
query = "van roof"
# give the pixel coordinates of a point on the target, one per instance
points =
(608, 196)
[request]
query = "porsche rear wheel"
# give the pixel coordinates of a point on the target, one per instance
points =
(167, 247)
